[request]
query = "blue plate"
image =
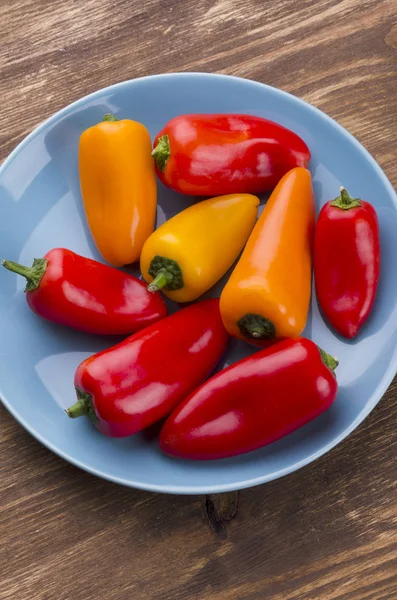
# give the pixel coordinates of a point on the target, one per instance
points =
(41, 209)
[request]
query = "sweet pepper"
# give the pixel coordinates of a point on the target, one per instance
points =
(132, 385)
(118, 187)
(252, 403)
(268, 293)
(208, 155)
(189, 253)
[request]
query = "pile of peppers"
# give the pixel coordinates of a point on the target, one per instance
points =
(161, 371)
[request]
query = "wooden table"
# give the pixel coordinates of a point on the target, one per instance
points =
(327, 532)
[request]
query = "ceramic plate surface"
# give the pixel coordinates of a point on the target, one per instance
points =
(41, 208)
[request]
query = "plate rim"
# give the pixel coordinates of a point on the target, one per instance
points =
(244, 484)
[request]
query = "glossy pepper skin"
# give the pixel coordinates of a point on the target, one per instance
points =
(252, 403)
(189, 253)
(210, 155)
(138, 382)
(268, 293)
(347, 262)
(118, 187)
(83, 294)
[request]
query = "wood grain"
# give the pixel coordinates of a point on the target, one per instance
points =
(220, 509)
(327, 532)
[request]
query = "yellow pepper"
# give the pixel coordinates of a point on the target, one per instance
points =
(189, 253)
(118, 187)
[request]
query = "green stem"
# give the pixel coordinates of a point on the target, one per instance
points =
(110, 118)
(17, 268)
(33, 274)
(162, 279)
(161, 152)
(256, 332)
(345, 197)
(345, 201)
(77, 410)
(166, 274)
(256, 327)
(83, 406)
(330, 361)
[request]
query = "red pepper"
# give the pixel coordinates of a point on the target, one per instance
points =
(252, 403)
(347, 262)
(138, 382)
(223, 154)
(83, 294)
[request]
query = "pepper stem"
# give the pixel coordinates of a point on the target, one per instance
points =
(166, 274)
(77, 410)
(345, 196)
(256, 332)
(32, 274)
(256, 327)
(330, 361)
(161, 152)
(83, 406)
(345, 201)
(162, 279)
(109, 117)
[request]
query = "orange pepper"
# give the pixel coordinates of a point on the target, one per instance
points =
(268, 293)
(118, 187)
